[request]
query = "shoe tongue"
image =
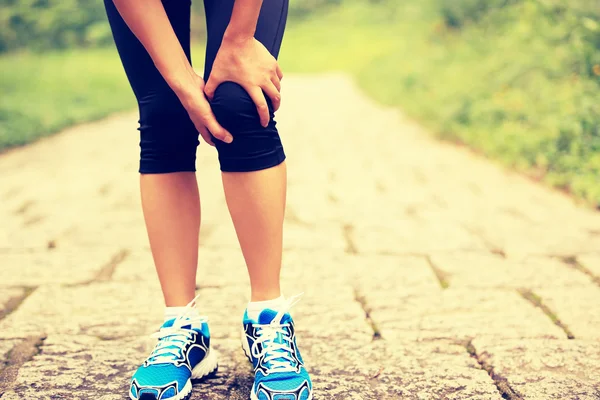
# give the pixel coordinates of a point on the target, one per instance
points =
(267, 316)
(168, 323)
(175, 342)
(187, 324)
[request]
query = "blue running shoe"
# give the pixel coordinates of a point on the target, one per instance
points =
(270, 344)
(182, 353)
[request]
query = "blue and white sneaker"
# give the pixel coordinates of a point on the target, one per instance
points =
(270, 344)
(181, 355)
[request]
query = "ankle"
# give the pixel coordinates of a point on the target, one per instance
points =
(265, 295)
(254, 308)
(174, 312)
(178, 299)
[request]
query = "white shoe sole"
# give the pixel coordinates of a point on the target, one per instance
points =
(208, 366)
(246, 349)
(255, 397)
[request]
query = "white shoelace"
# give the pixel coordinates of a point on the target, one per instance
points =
(171, 340)
(277, 356)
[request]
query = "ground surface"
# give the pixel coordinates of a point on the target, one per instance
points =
(428, 272)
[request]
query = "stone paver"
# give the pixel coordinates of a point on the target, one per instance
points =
(8, 296)
(578, 309)
(60, 266)
(592, 263)
(411, 254)
(545, 369)
(488, 271)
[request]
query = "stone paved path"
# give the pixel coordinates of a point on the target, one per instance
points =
(428, 272)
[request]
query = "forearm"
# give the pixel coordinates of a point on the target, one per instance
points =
(244, 17)
(148, 20)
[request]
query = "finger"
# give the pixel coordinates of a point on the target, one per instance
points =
(210, 122)
(273, 93)
(276, 82)
(259, 100)
(210, 87)
(205, 135)
(279, 71)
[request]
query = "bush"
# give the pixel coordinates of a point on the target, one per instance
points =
(48, 24)
(303, 8)
(457, 13)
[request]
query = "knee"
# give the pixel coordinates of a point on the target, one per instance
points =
(234, 109)
(254, 146)
(168, 138)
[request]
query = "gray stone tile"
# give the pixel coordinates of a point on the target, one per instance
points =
(543, 368)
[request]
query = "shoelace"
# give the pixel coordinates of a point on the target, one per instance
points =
(171, 340)
(277, 356)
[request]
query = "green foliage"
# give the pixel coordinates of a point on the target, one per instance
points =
(457, 13)
(51, 24)
(516, 80)
(42, 93)
(303, 8)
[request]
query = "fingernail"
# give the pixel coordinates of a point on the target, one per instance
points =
(228, 139)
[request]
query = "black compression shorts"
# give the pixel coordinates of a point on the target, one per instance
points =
(168, 138)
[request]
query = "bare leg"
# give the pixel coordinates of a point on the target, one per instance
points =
(171, 205)
(256, 202)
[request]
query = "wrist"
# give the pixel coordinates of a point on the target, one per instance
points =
(184, 84)
(237, 37)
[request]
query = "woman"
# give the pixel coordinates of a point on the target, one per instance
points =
(233, 111)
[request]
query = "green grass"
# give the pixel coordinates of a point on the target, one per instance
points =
(43, 93)
(517, 85)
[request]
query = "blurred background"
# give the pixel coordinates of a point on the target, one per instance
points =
(516, 80)
(431, 269)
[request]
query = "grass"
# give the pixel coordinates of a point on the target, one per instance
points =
(362, 300)
(441, 275)
(509, 86)
(574, 263)
(537, 302)
(43, 93)
(501, 383)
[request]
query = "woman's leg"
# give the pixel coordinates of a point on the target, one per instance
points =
(254, 179)
(253, 167)
(171, 206)
(168, 144)
(256, 202)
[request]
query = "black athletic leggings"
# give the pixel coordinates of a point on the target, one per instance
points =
(168, 138)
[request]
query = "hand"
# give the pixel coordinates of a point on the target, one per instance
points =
(248, 63)
(192, 97)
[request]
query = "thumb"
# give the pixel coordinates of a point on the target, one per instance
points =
(210, 87)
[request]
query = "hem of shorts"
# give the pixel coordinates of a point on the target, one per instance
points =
(170, 170)
(264, 162)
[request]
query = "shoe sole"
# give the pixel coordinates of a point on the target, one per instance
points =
(246, 349)
(206, 369)
(254, 397)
